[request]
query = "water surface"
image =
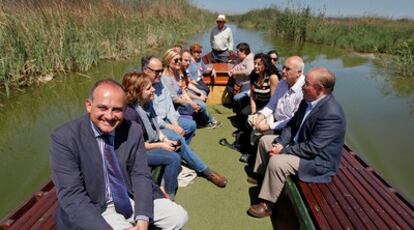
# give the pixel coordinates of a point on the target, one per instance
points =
(378, 107)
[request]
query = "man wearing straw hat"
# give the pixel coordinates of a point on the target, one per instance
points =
(221, 40)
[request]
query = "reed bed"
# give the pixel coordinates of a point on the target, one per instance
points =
(39, 39)
(364, 34)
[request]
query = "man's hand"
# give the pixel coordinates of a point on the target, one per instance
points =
(258, 119)
(195, 107)
(277, 148)
(262, 126)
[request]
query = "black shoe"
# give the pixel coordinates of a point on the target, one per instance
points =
(245, 158)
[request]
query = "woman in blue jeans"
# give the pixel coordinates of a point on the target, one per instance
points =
(140, 94)
(160, 150)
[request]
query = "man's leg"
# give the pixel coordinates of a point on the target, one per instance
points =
(262, 156)
(189, 127)
(279, 167)
(116, 220)
(169, 215)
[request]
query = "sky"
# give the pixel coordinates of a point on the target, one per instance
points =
(337, 8)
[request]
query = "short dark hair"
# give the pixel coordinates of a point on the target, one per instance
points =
(101, 82)
(145, 61)
(243, 47)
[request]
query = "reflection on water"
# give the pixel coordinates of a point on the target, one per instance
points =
(379, 110)
(379, 106)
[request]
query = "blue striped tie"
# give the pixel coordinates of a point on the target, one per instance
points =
(116, 181)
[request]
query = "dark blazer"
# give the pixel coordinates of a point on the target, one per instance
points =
(77, 172)
(320, 140)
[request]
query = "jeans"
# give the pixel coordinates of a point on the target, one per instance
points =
(241, 100)
(189, 127)
(203, 117)
(172, 167)
(192, 159)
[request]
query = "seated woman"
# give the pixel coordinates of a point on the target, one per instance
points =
(160, 150)
(171, 139)
(172, 80)
(263, 83)
(197, 68)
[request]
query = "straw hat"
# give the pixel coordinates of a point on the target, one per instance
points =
(221, 18)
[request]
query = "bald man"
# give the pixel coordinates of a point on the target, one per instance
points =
(309, 146)
(100, 170)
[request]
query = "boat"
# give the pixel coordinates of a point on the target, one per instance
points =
(357, 198)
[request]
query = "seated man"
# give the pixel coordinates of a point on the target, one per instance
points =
(280, 109)
(100, 170)
(239, 86)
(168, 117)
(309, 146)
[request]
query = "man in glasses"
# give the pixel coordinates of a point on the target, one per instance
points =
(168, 116)
(280, 109)
(221, 40)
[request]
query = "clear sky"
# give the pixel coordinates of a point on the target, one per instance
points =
(337, 8)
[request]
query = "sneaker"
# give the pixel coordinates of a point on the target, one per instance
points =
(245, 158)
(214, 124)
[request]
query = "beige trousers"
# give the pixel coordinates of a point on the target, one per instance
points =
(278, 169)
(262, 156)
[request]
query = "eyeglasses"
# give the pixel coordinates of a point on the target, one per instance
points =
(286, 68)
(274, 59)
(176, 60)
(156, 71)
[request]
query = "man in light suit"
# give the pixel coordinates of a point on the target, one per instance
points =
(83, 153)
(309, 146)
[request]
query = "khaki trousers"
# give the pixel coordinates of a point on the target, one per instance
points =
(278, 169)
(262, 156)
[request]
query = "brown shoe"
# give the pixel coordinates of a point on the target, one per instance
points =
(260, 210)
(217, 179)
(251, 180)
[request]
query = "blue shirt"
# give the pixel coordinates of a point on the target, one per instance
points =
(164, 106)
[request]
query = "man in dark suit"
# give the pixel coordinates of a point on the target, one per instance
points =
(309, 146)
(100, 170)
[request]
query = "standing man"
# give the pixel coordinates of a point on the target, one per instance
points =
(100, 170)
(221, 40)
(168, 117)
(309, 146)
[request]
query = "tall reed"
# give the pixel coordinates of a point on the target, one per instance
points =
(364, 34)
(42, 38)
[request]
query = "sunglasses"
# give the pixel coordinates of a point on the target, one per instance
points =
(286, 68)
(176, 60)
(156, 71)
(274, 59)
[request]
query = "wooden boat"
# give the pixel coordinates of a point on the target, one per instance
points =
(357, 198)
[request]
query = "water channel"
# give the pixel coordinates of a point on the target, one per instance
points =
(379, 110)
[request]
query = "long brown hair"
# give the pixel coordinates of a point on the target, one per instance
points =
(134, 84)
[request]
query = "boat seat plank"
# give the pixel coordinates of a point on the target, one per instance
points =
(37, 212)
(357, 198)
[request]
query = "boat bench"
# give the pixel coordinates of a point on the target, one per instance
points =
(357, 198)
(38, 211)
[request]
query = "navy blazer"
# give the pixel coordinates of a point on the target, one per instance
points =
(77, 172)
(320, 140)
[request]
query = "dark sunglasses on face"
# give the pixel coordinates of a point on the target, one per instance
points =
(156, 71)
(176, 60)
(286, 68)
(274, 59)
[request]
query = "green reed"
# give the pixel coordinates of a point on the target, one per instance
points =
(43, 38)
(364, 34)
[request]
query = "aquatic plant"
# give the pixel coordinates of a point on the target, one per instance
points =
(42, 38)
(363, 34)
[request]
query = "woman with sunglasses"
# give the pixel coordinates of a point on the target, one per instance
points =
(160, 150)
(161, 143)
(172, 79)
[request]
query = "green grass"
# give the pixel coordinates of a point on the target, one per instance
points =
(210, 207)
(365, 34)
(43, 38)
